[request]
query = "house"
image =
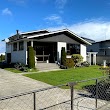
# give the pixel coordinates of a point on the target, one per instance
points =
(47, 45)
(103, 49)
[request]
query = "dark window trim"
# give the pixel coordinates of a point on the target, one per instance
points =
(15, 46)
(21, 45)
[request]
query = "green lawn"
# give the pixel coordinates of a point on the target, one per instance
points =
(18, 71)
(69, 75)
(13, 70)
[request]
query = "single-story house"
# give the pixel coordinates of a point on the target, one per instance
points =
(47, 45)
(103, 49)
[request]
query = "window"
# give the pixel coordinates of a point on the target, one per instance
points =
(15, 47)
(21, 45)
(73, 49)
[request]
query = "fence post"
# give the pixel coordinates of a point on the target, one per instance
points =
(72, 95)
(34, 100)
(96, 97)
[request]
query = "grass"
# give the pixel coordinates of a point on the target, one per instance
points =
(13, 70)
(18, 71)
(69, 75)
(32, 70)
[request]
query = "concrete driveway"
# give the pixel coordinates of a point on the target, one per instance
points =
(13, 83)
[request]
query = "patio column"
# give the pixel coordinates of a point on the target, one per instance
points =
(94, 58)
(89, 58)
(25, 49)
(32, 43)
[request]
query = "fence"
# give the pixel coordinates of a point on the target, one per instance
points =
(100, 59)
(92, 94)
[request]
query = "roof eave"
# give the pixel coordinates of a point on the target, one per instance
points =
(64, 30)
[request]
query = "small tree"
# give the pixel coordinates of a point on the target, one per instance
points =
(2, 57)
(63, 56)
(31, 58)
(77, 58)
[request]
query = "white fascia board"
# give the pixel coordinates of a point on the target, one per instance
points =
(79, 37)
(64, 30)
(21, 33)
(33, 31)
(25, 39)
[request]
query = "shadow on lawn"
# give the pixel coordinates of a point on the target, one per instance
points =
(103, 91)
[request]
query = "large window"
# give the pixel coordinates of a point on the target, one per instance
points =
(73, 49)
(15, 47)
(21, 45)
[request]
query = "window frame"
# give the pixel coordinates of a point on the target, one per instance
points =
(21, 45)
(70, 48)
(15, 46)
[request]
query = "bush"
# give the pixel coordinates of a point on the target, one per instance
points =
(77, 58)
(63, 56)
(31, 58)
(69, 62)
(82, 64)
(2, 57)
(21, 67)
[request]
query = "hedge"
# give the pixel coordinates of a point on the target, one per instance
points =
(31, 57)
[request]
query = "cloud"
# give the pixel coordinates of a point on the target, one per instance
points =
(19, 2)
(54, 19)
(6, 11)
(93, 29)
(60, 3)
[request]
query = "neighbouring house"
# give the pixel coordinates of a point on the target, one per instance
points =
(103, 49)
(47, 45)
(89, 40)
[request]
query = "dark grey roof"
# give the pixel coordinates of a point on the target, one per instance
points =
(89, 40)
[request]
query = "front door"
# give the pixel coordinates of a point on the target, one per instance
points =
(46, 52)
(41, 54)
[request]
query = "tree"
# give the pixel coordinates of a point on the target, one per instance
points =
(31, 57)
(63, 56)
(2, 57)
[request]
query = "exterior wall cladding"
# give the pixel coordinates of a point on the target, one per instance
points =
(17, 56)
(83, 51)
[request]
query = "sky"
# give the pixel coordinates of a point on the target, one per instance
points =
(87, 18)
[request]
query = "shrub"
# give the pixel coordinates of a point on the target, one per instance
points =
(77, 58)
(63, 56)
(69, 62)
(31, 58)
(21, 67)
(2, 57)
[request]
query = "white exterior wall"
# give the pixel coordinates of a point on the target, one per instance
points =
(19, 55)
(8, 48)
(83, 51)
(59, 46)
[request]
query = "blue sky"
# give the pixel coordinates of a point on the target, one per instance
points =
(88, 18)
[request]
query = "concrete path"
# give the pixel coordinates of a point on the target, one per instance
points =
(12, 83)
(106, 107)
